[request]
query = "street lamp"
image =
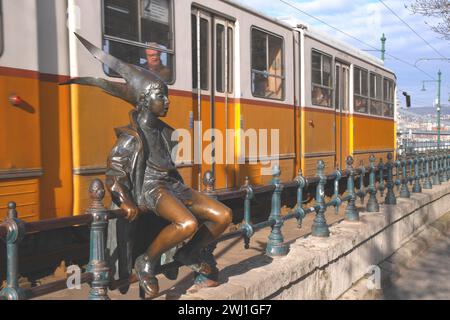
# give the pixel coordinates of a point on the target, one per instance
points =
(431, 59)
(438, 104)
(423, 86)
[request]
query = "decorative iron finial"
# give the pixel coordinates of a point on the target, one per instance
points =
(349, 161)
(208, 181)
(320, 165)
(247, 181)
(12, 213)
(389, 156)
(96, 190)
(96, 193)
(276, 171)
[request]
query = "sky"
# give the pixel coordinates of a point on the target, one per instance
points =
(367, 20)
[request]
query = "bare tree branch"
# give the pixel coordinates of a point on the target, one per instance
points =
(436, 9)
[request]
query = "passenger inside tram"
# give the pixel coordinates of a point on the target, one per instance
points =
(155, 64)
(321, 97)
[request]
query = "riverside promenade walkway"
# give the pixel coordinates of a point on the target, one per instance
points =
(428, 278)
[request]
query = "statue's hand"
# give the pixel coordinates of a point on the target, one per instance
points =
(130, 209)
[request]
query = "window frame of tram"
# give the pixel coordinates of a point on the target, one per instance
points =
(220, 58)
(388, 97)
(204, 52)
(142, 35)
(376, 94)
(269, 80)
(359, 95)
(319, 86)
(1, 28)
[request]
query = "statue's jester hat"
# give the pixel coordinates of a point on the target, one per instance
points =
(137, 79)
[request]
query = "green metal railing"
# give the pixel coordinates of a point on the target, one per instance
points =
(419, 171)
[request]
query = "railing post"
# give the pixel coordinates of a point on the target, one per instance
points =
(247, 226)
(372, 203)
(16, 232)
(436, 180)
(351, 214)
(447, 156)
(411, 176)
(381, 186)
(422, 168)
(443, 167)
(320, 227)
(337, 201)
(98, 265)
(207, 253)
(361, 193)
(427, 184)
(417, 188)
(390, 196)
(301, 181)
(275, 245)
(404, 189)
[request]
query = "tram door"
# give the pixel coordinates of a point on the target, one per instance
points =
(212, 85)
(342, 121)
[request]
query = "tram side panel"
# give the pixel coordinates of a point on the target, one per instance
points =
(56, 147)
(20, 152)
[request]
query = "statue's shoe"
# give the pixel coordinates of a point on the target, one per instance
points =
(145, 272)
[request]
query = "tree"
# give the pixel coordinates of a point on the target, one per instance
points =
(436, 9)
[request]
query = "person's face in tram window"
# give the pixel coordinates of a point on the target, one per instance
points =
(153, 58)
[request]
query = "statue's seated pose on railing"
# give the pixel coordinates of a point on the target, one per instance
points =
(141, 174)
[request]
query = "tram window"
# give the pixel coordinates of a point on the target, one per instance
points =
(267, 65)
(230, 58)
(388, 98)
(140, 32)
(1, 28)
(220, 58)
(337, 97)
(375, 94)
(322, 91)
(204, 59)
(360, 87)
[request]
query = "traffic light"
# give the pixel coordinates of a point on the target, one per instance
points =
(408, 99)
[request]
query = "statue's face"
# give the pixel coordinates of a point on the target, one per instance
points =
(158, 103)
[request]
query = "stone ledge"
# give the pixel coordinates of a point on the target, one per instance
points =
(324, 268)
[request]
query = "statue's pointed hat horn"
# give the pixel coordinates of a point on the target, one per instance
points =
(117, 89)
(137, 79)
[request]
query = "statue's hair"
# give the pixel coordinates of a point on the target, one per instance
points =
(145, 94)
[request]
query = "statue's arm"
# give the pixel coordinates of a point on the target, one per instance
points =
(173, 142)
(118, 172)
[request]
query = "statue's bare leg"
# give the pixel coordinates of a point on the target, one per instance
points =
(216, 217)
(183, 226)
